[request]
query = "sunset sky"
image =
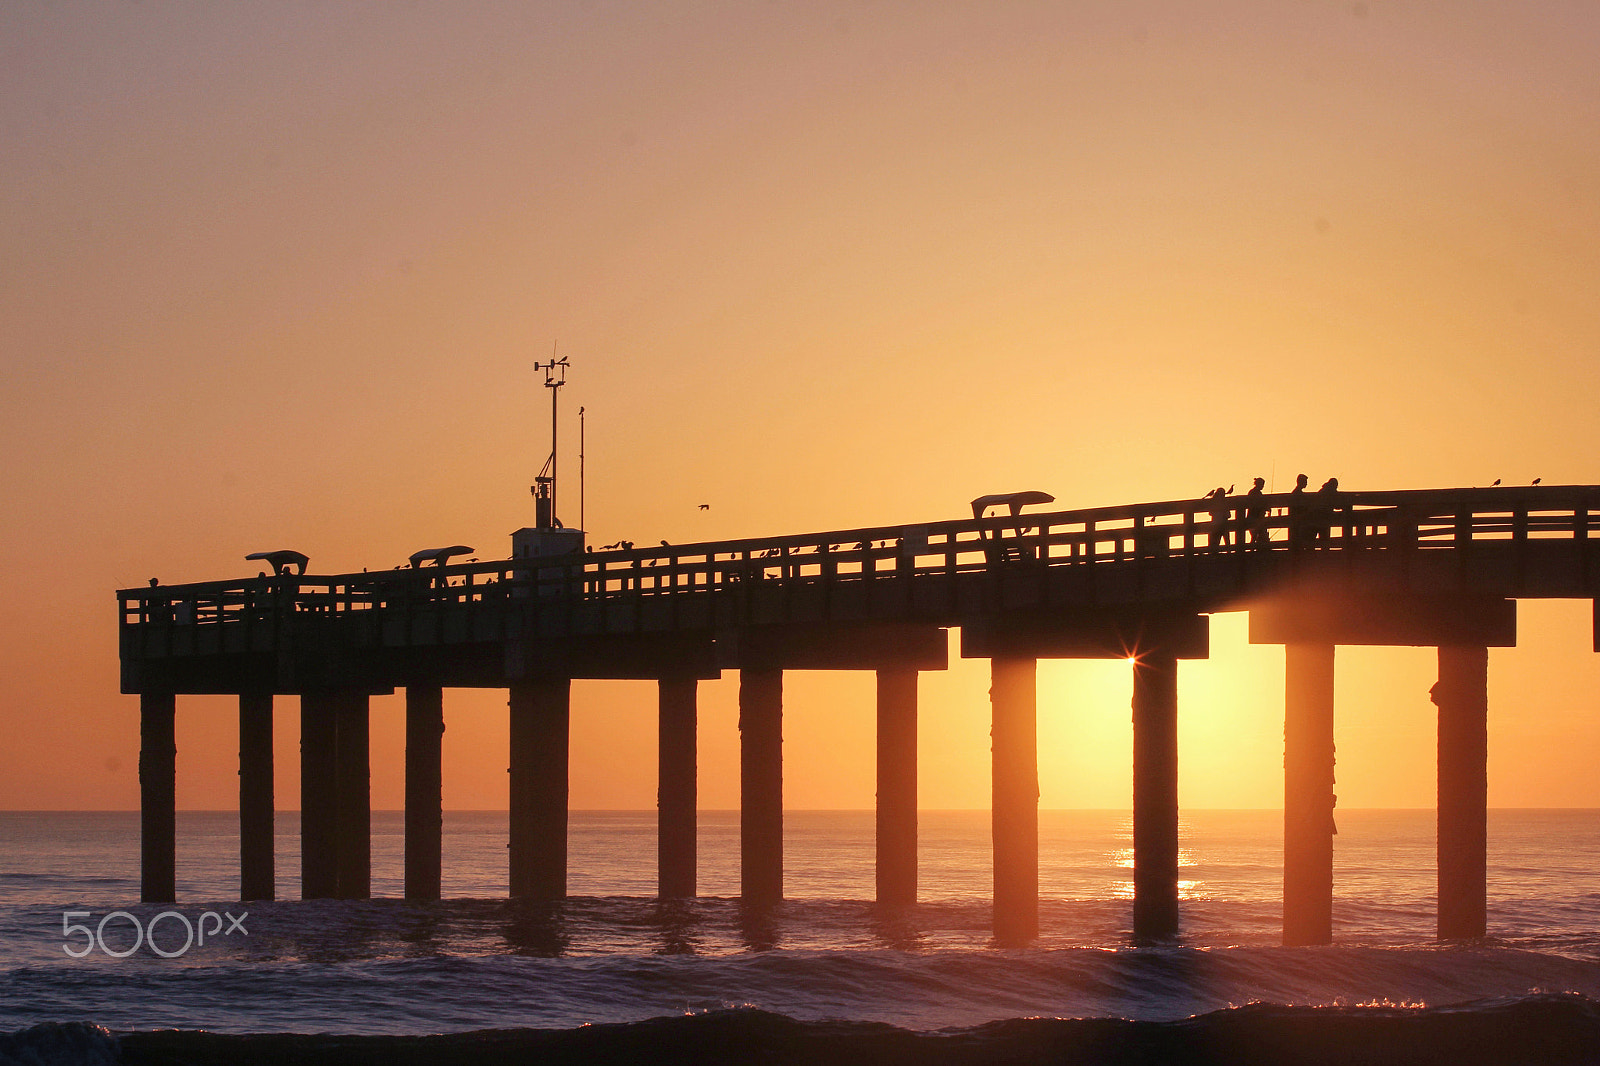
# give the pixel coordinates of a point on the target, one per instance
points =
(274, 275)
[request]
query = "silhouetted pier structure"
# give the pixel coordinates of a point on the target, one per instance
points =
(1439, 568)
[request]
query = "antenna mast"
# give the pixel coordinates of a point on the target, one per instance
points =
(555, 376)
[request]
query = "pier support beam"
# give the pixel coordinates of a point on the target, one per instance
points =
(761, 785)
(1308, 799)
(158, 754)
(540, 719)
(1462, 696)
(353, 792)
(676, 795)
(1155, 796)
(897, 785)
(1013, 697)
(256, 866)
(424, 798)
(319, 808)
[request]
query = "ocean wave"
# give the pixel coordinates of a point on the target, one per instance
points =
(53, 1043)
(914, 991)
(1547, 1030)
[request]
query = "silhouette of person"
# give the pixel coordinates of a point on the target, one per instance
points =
(1255, 514)
(158, 608)
(1297, 512)
(1221, 518)
(1325, 508)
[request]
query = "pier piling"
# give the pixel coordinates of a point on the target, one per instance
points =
(319, 808)
(1013, 697)
(424, 798)
(1308, 797)
(256, 861)
(353, 796)
(761, 785)
(676, 796)
(1462, 696)
(158, 753)
(897, 786)
(1155, 796)
(540, 720)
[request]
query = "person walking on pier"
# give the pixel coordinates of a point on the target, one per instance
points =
(1255, 515)
(1221, 518)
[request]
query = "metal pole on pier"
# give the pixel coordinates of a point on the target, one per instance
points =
(555, 376)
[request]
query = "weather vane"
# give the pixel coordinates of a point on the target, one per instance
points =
(555, 376)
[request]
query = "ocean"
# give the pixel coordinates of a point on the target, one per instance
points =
(825, 976)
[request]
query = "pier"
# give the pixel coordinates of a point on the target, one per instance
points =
(1427, 568)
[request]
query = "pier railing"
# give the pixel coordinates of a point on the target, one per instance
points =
(1422, 521)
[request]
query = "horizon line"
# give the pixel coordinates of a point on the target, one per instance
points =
(735, 810)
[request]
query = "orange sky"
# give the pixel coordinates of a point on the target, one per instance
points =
(273, 276)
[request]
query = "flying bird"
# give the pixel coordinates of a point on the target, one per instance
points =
(705, 507)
